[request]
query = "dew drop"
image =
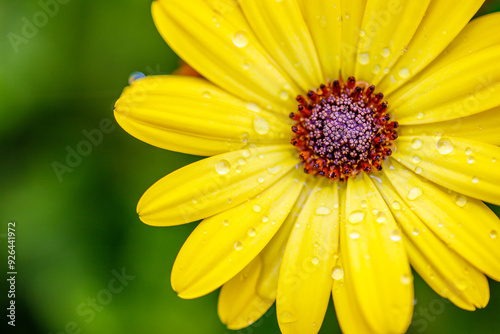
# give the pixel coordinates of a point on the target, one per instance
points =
(323, 211)
(246, 66)
(252, 107)
(405, 279)
(414, 193)
(257, 208)
(468, 151)
(338, 273)
(416, 159)
(386, 52)
(265, 219)
(238, 246)
(260, 179)
(315, 260)
(364, 58)
(416, 143)
(260, 125)
(475, 180)
(376, 69)
(493, 234)
(364, 204)
(404, 73)
(252, 233)
(354, 235)
(418, 170)
(461, 283)
(471, 159)
(246, 153)
(356, 217)
(237, 169)
(261, 156)
(380, 217)
(415, 231)
(420, 115)
(274, 170)
(240, 39)
(284, 95)
(223, 167)
(242, 162)
(135, 76)
(395, 235)
(396, 205)
(225, 222)
(444, 146)
(206, 95)
(461, 200)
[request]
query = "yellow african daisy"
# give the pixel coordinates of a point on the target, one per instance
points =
(349, 139)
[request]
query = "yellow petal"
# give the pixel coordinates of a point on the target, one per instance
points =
(349, 315)
(450, 90)
(213, 185)
(272, 255)
(463, 165)
(466, 225)
(305, 277)
(434, 33)
(283, 32)
(375, 260)
(444, 270)
(324, 23)
(386, 31)
(239, 304)
(351, 17)
(222, 245)
(481, 127)
(158, 109)
(215, 39)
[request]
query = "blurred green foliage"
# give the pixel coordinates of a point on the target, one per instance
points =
(75, 235)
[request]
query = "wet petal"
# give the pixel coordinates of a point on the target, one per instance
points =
(222, 245)
(463, 165)
(305, 280)
(375, 260)
(213, 185)
(216, 40)
(466, 225)
(162, 110)
(239, 304)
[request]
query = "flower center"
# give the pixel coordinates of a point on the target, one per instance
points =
(343, 129)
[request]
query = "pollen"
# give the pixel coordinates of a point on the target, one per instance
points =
(343, 129)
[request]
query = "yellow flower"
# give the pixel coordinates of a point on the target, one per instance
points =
(271, 232)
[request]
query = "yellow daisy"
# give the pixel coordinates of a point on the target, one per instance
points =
(320, 184)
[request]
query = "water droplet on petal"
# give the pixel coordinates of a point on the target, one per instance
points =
(323, 211)
(237, 169)
(364, 204)
(418, 170)
(246, 153)
(240, 39)
(444, 146)
(468, 151)
(395, 235)
(354, 235)
(315, 260)
(471, 159)
(415, 231)
(284, 95)
(461, 283)
(405, 279)
(223, 167)
(265, 219)
(238, 246)
(338, 273)
(475, 179)
(414, 193)
(252, 233)
(356, 217)
(225, 222)
(257, 208)
(386, 52)
(396, 205)
(364, 58)
(380, 217)
(404, 73)
(416, 144)
(420, 115)
(461, 200)
(135, 76)
(493, 234)
(260, 125)
(416, 159)
(260, 179)
(274, 170)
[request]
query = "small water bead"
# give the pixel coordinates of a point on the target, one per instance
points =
(238, 169)
(395, 235)
(461, 283)
(364, 58)
(238, 246)
(414, 193)
(493, 234)
(246, 153)
(380, 217)
(386, 52)
(195, 201)
(252, 233)
(356, 217)
(376, 69)
(260, 179)
(338, 273)
(468, 151)
(418, 170)
(416, 159)
(323, 211)
(261, 156)
(246, 66)
(223, 167)
(274, 170)
(229, 200)
(415, 231)
(257, 208)
(284, 95)
(315, 261)
(471, 159)
(404, 73)
(242, 162)
(135, 76)
(206, 95)
(396, 205)
(405, 279)
(420, 115)
(364, 204)
(461, 200)
(260, 125)
(225, 222)
(265, 219)
(416, 144)
(240, 39)
(354, 235)
(475, 180)
(252, 107)
(444, 146)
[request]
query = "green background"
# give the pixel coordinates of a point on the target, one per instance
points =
(72, 234)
